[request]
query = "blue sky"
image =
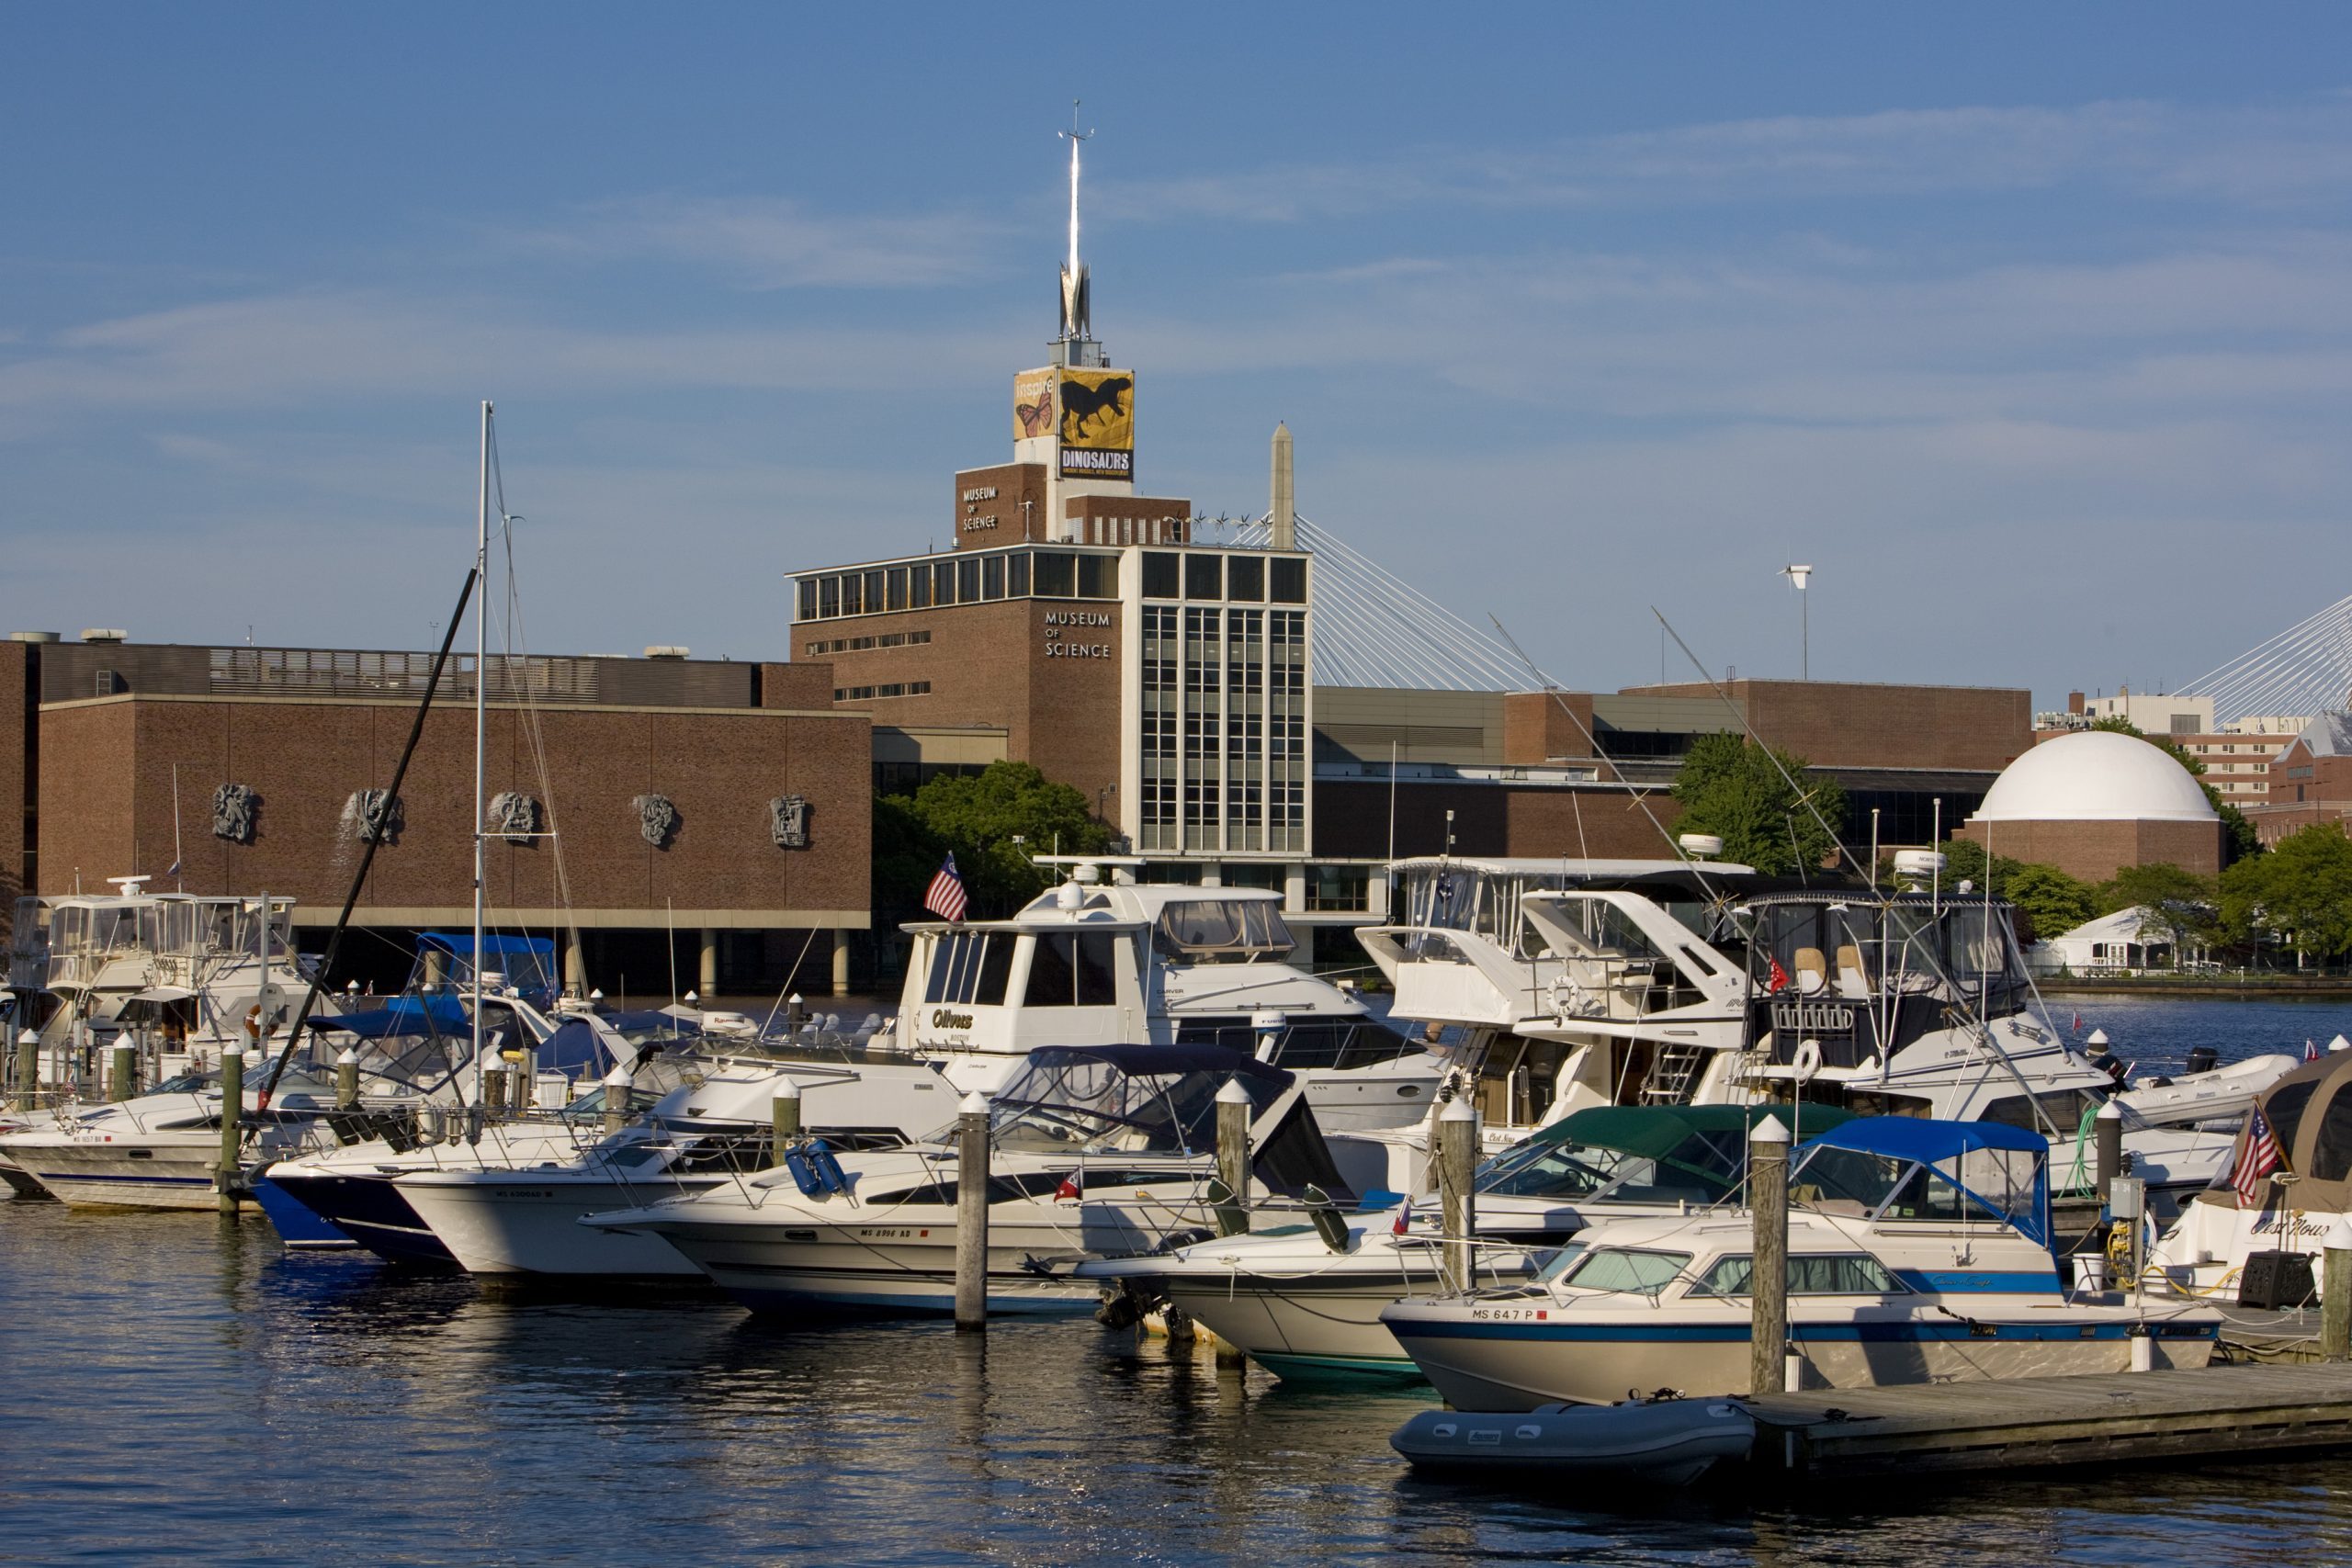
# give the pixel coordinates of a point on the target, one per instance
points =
(2031, 330)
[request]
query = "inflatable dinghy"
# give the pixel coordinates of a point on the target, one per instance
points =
(1670, 1442)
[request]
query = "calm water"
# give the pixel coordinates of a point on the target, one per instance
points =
(170, 1387)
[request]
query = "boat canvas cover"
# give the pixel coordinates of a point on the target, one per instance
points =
(401, 1015)
(2309, 1112)
(1704, 1146)
(1999, 1169)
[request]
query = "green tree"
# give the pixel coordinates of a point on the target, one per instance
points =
(1731, 788)
(2300, 890)
(2052, 902)
(2178, 902)
(977, 816)
(2239, 838)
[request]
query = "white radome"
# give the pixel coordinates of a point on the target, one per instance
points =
(2095, 775)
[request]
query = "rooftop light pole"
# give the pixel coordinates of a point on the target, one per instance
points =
(1800, 575)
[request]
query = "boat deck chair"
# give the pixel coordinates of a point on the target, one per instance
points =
(1811, 972)
(1854, 980)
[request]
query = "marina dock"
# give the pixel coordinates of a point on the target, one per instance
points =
(2034, 1422)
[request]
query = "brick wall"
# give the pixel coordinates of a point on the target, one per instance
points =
(1351, 821)
(1836, 724)
(2093, 852)
(1016, 513)
(108, 805)
(1538, 725)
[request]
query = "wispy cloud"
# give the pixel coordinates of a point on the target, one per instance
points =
(775, 242)
(281, 349)
(2294, 152)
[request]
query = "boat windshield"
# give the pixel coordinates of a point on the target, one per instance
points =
(1079, 1102)
(1222, 931)
(1695, 1172)
(1633, 1270)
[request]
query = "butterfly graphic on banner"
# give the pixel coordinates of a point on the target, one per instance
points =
(1038, 418)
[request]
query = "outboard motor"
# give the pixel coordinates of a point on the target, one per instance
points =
(2203, 1059)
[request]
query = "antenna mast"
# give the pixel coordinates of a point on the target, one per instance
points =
(1077, 325)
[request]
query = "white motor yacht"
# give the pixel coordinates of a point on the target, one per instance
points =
(1918, 1251)
(1101, 959)
(1095, 1151)
(1585, 983)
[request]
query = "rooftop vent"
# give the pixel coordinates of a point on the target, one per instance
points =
(667, 650)
(105, 634)
(35, 636)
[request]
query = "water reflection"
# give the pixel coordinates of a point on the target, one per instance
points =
(182, 1388)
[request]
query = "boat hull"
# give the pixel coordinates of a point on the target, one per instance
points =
(530, 1224)
(301, 1229)
(1510, 1363)
(365, 1207)
(794, 1265)
(92, 1175)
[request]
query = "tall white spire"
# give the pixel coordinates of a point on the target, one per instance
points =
(1077, 326)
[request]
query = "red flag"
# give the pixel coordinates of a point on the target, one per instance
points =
(1069, 1188)
(1780, 979)
(2257, 1157)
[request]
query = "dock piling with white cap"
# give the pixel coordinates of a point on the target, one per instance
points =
(1768, 1284)
(972, 1213)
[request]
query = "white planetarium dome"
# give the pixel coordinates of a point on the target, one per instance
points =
(2095, 775)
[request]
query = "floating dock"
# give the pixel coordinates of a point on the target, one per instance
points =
(1925, 1429)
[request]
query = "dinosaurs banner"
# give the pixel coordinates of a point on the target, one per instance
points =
(1091, 412)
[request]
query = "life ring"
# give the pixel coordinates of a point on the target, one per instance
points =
(1568, 998)
(1807, 1060)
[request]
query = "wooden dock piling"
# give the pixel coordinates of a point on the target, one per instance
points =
(1457, 1165)
(783, 1117)
(972, 1213)
(1768, 1284)
(231, 1174)
(1233, 1158)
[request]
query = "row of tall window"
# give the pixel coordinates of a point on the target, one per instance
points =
(1223, 721)
(964, 578)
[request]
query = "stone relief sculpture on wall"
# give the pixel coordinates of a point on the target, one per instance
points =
(789, 821)
(234, 808)
(373, 816)
(657, 819)
(515, 817)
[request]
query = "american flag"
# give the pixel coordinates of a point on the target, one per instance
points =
(944, 897)
(2258, 1156)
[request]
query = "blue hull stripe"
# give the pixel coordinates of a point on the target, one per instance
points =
(1820, 1333)
(1961, 1282)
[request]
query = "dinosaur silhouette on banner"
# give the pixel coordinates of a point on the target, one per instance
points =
(1085, 401)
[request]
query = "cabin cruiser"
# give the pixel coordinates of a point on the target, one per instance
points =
(162, 1149)
(1598, 982)
(2292, 1208)
(343, 1197)
(173, 975)
(1919, 1250)
(1301, 1302)
(1095, 1151)
(1102, 958)
(522, 1216)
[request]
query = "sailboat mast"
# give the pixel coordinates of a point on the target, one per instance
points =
(481, 647)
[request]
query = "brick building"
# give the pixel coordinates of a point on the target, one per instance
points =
(119, 751)
(2311, 781)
